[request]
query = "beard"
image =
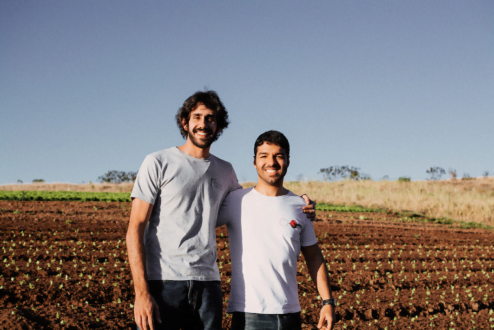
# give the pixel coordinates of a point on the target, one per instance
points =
(201, 143)
(276, 181)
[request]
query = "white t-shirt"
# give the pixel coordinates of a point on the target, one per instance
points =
(264, 249)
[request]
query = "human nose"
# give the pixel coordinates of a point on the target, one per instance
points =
(272, 160)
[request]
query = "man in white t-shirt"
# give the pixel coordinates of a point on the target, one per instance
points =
(267, 230)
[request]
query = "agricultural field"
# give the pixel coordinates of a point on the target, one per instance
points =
(469, 200)
(64, 266)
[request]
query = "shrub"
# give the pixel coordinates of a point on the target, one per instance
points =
(436, 172)
(334, 173)
(38, 180)
(118, 177)
(404, 179)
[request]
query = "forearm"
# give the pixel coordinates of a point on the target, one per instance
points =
(318, 272)
(321, 279)
(137, 259)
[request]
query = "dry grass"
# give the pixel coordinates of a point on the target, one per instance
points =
(466, 200)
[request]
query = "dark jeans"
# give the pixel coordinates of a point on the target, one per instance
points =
(188, 305)
(252, 321)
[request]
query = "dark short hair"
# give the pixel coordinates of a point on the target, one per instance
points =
(273, 137)
(212, 101)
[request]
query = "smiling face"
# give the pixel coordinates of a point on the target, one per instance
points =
(202, 126)
(271, 162)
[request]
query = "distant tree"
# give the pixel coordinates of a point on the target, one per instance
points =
(334, 173)
(486, 174)
(452, 173)
(466, 176)
(404, 179)
(38, 180)
(385, 178)
(117, 177)
(19, 181)
(436, 172)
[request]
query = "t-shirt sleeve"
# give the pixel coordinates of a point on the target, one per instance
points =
(308, 237)
(148, 180)
(224, 213)
(234, 185)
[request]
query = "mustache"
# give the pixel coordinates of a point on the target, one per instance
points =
(272, 167)
(205, 130)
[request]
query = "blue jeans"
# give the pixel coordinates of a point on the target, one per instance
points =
(188, 305)
(253, 321)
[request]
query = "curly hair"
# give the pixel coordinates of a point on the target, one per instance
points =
(272, 137)
(210, 100)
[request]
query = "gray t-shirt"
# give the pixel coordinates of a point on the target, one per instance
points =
(187, 192)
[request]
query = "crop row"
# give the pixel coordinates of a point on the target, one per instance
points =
(63, 196)
(75, 196)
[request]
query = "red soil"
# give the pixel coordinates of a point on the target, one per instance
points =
(64, 265)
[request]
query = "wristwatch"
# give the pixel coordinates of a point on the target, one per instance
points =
(331, 302)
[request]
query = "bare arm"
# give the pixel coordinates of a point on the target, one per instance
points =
(144, 306)
(319, 274)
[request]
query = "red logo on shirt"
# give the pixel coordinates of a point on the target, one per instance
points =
(294, 224)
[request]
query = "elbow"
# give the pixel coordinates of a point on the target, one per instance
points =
(131, 236)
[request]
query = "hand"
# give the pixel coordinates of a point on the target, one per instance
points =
(144, 309)
(327, 315)
(310, 209)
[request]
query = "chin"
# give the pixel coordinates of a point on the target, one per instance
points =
(274, 182)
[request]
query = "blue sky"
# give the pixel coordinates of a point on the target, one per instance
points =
(392, 87)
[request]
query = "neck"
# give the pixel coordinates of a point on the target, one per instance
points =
(190, 149)
(269, 190)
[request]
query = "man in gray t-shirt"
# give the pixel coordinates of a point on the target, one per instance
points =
(171, 237)
(186, 193)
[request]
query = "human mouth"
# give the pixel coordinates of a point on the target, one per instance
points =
(203, 134)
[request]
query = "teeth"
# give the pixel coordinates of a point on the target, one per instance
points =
(271, 171)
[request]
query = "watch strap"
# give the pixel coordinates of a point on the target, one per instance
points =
(331, 302)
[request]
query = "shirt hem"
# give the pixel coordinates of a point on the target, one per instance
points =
(143, 198)
(245, 310)
(184, 278)
(309, 243)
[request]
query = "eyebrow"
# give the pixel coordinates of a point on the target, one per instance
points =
(200, 115)
(276, 154)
